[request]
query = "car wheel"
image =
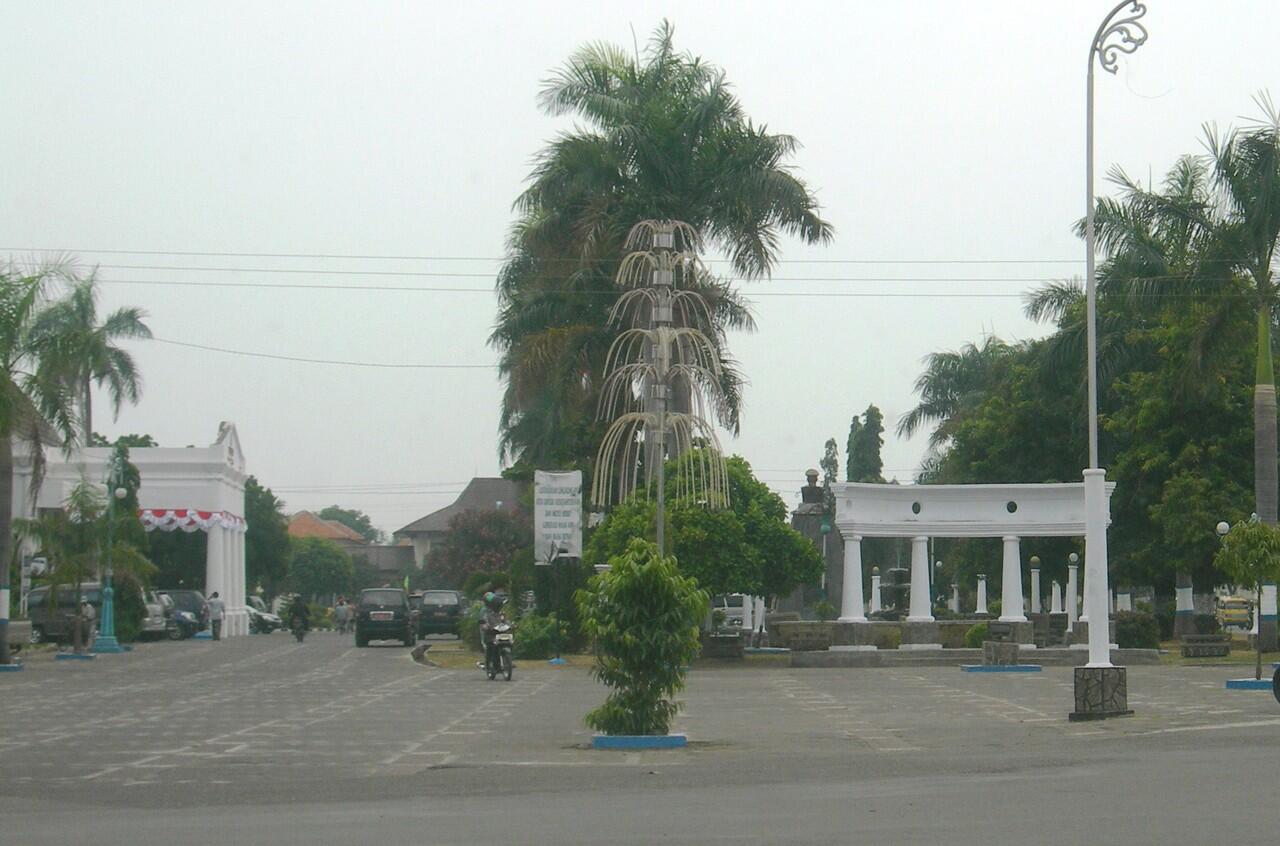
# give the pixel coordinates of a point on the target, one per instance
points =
(37, 635)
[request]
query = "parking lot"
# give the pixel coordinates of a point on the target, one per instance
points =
(319, 738)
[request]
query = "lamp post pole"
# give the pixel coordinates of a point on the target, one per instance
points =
(106, 639)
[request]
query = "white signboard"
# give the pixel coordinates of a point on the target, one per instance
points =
(557, 515)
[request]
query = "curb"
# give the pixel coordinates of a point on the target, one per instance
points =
(639, 741)
(1248, 684)
(14, 667)
(1000, 668)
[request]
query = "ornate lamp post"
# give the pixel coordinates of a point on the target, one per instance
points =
(106, 639)
(1102, 692)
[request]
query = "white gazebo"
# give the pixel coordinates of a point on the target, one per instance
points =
(183, 489)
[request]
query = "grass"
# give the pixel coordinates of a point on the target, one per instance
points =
(1241, 654)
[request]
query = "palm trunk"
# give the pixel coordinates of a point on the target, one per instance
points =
(87, 412)
(6, 537)
(1264, 426)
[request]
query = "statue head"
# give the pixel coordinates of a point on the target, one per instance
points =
(812, 476)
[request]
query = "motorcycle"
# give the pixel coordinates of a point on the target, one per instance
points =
(497, 657)
(181, 625)
(299, 629)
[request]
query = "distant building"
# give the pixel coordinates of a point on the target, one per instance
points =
(387, 560)
(481, 494)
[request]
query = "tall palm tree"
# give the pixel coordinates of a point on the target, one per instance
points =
(36, 408)
(662, 137)
(954, 383)
(70, 340)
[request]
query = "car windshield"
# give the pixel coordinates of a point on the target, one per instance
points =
(440, 597)
(188, 600)
(382, 597)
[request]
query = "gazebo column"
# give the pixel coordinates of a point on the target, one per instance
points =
(1055, 598)
(921, 607)
(851, 608)
(875, 589)
(240, 617)
(215, 562)
(1073, 596)
(955, 598)
(981, 607)
(1011, 583)
(1035, 590)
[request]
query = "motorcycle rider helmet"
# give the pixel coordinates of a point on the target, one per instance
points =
(492, 601)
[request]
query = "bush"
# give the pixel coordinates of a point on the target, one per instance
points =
(469, 625)
(644, 617)
(993, 608)
(1137, 630)
(974, 637)
(1164, 617)
(824, 610)
(536, 636)
(1207, 624)
(321, 616)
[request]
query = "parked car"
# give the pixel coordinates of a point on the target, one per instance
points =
(439, 612)
(734, 607)
(156, 623)
(261, 621)
(1235, 611)
(51, 614)
(384, 614)
(191, 602)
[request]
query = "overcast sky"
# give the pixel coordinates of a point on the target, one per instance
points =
(945, 141)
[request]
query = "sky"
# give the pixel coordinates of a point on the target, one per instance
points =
(309, 157)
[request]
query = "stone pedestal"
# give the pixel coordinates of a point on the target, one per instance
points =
(921, 635)
(1101, 692)
(852, 637)
(995, 653)
(1080, 634)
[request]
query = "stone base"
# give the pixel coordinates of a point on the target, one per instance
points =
(919, 647)
(1080, 634)
(920, 634)
(1101, 692)
(1021, 631)
(999, 654)
(855, 634)
(851, 647)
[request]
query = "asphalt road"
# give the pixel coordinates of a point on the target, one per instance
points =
(262, 740)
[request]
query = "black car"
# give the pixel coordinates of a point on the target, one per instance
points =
(439, 612)
(192, 602)
(384, 614)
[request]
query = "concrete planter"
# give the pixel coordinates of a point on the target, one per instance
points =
(632, 742)
(726, 647)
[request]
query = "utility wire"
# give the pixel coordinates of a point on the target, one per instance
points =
(387, 365)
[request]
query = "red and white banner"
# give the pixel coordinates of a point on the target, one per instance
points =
(188, 520)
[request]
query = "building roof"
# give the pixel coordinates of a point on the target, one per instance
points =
(304, 524)
(480, 494)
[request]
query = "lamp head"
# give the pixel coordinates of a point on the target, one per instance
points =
(120, 493)
(1073, 558)
(1222, 528)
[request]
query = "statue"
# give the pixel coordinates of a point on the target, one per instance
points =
(811, 493)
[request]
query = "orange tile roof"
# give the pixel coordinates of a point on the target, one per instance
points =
(304, 524)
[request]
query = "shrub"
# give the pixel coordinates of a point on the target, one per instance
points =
(824, 610)
(1137, 630)
(975, 636)
(1207, 624)
(644, 617)
(535, 636)
(993, 608)
(469, 625)
(321, 616)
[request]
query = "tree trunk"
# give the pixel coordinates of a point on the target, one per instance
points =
(1264, 426)
(6, 534)
(86, 411)
(1257, 642)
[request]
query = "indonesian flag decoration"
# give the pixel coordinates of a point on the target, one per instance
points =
(189, 520)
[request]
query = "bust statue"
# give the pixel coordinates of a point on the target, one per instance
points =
(812, 492)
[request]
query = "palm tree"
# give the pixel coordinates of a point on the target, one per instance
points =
(953, 383)
(36, 408)
(663, 137)
(71, 341)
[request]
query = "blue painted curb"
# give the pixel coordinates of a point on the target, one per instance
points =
(766, 650)
(202, 636)
(1248, 684)
(557, 661)
(1001, 668)
(11, 668)
(639, 741)
(74, 656)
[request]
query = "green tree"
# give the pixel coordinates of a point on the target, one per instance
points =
(745, 548)
(644, 617)
(319, 567)
(954, 383)
(130, 440)
(266, 542)
(35, 407)
(84, 351)
(1250, 558)
(355, 520)
(850, 474)
(830, 465)
(865, 463)
(480, 541)
(662, 137)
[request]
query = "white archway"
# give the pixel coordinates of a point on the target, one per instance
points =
(183, 489)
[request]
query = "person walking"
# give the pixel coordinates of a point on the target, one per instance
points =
(217, 611)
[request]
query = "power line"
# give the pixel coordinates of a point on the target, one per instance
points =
(387, 365)
(377, 257)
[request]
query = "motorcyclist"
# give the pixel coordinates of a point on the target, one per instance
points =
(299, 614)
(491, 617)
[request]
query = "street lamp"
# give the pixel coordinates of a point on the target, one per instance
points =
(106, 639)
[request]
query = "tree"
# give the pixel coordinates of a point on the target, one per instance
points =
(663, 138)
(130, 440)
(35, 407)
(266, 542)
(952, 384)
(865, 464)
(83, 351)
(1250, 558)
(850, 474)
(319, 567)
(745, 548)
(830, 465)
(644, 617)
(355, 520)
(479, 541)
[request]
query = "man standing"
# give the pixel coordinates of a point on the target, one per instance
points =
(217, 610)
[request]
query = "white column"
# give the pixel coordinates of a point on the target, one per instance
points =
(215, 561)
(238, 567)
(1035, 590)
(748, 613)
(875, 592)
(1073, 595)
(1268, 611)
(1011, 583)
(1184, 601)
(851, 608)
(955, 598)
(1096, 590)
(921, 604)
(1124, 601)
(1055, 598)
(982, 595)
(759, 615)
